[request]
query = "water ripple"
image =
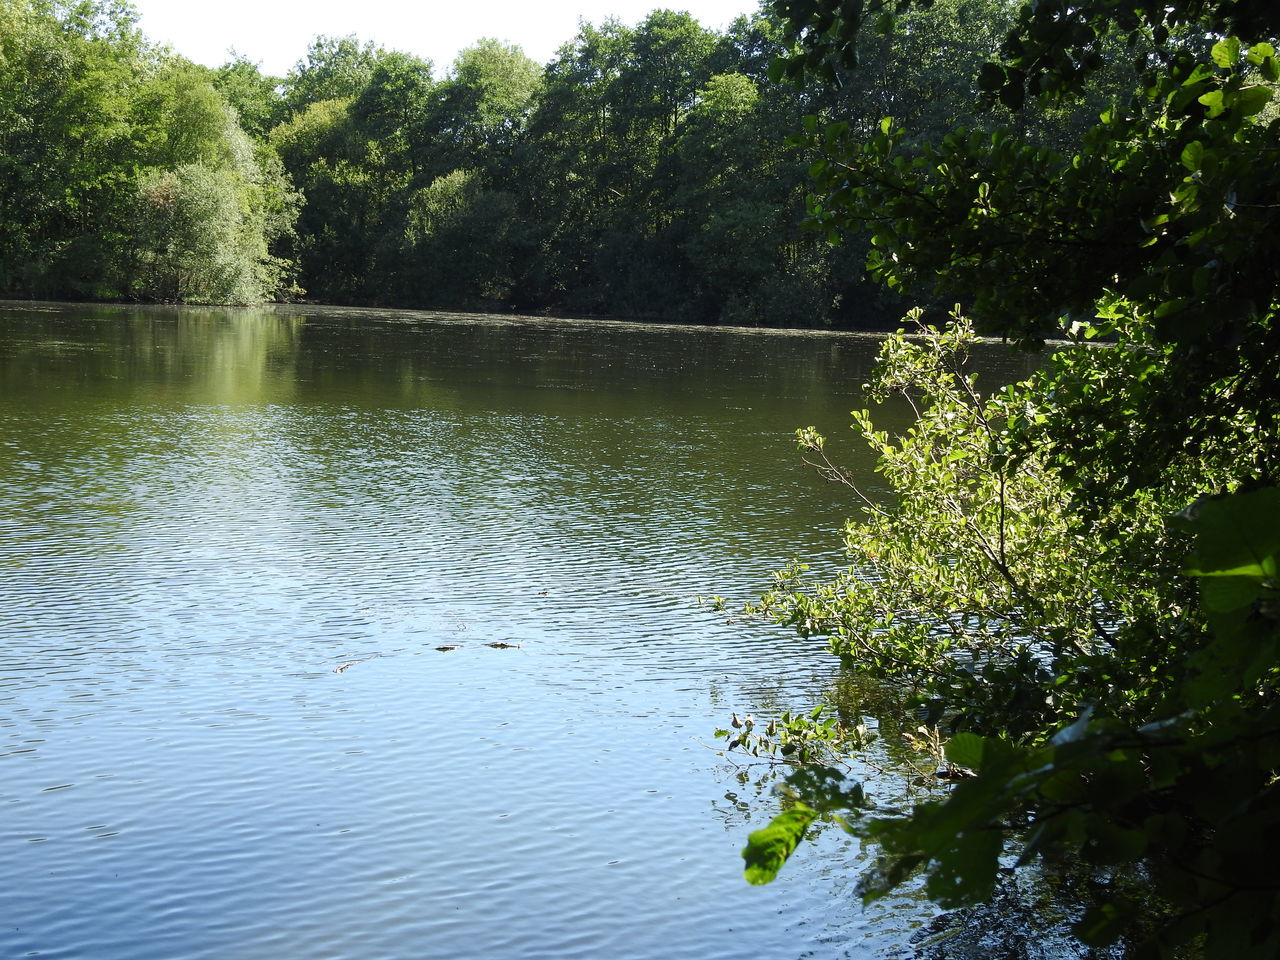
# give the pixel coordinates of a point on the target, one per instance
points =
(342, 634)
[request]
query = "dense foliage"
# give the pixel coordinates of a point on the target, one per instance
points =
(123, 172)
(643, 172)
(1077, 574)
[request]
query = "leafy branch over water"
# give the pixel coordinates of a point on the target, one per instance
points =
(1103, 713)
(1077, 574)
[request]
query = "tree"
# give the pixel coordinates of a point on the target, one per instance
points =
(334, 68)
(184, 120)
(1118, 698)
(340, 220)
(254, 95)
(458, 236)
(193, 245)
(105, 140)
(484, 103)
(66, 74)
(606, 135)
(391, 107)
(571, 140)
(209, 202)
(739, 190)
(1162, 211)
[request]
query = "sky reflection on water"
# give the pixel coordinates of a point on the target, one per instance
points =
(205, 513)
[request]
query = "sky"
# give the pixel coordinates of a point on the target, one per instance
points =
(276, 33)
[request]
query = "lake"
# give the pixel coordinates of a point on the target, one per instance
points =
(332, 633)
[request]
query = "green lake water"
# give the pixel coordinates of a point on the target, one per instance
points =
(232, 544)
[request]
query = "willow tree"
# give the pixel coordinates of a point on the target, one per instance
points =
(209, 201)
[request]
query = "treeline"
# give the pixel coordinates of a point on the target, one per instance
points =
(123, 171)
(644, 172)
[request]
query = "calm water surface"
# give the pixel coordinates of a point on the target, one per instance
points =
(232, 544)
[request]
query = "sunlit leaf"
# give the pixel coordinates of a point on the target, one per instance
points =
(767, 849)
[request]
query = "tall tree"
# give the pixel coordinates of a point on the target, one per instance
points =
(103, 138)
(391, 110)
(255, 96)
(483, 104)
(66, 74)
(334, 68)
(209, 202)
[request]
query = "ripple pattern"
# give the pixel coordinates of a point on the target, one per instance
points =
(341, 634)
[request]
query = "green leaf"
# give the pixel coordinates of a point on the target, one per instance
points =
(1256, 570)
(1110, 844)
(1238, 535)
(767, 849)
(1226, 52)
(1224, 594)
(1103, 924)
(1252, 100)
(966, 872)
(990, 77)
(1075, 732)
(1237, 549)
(1213, 100)
(1013, 94)
(825, 789)
(965, 750)
(1193, 155)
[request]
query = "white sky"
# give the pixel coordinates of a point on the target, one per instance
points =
(275, 33)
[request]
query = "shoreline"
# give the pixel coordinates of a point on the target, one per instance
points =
(622, 320)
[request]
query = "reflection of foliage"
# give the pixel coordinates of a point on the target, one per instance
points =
(1029, 917)
(811, 792)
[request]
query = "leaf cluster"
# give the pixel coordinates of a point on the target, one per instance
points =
(975, 588)
(1157, 227)
(796, 738)
(1108, 717)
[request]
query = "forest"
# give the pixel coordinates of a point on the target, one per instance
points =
(647, 171)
